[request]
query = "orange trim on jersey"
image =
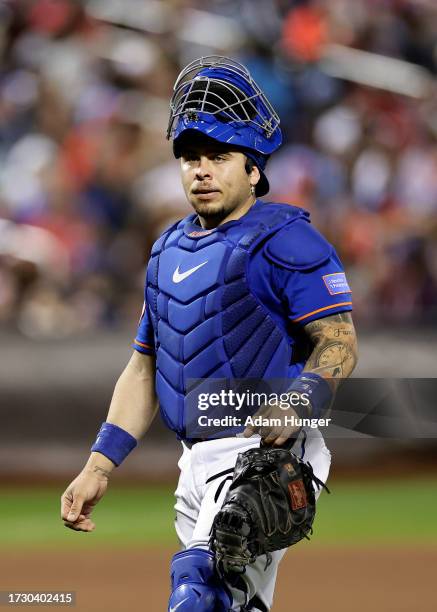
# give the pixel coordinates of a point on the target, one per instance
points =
(321, 310)
(147, 346)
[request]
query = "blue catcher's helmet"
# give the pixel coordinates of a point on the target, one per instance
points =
(218, 97)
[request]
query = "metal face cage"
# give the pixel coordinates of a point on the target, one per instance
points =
(224, 88)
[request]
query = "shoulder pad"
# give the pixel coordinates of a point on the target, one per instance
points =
(183, 222)
(170, 228)
(159, 243)
(298, 246)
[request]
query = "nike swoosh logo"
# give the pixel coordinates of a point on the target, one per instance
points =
(179, 604)
(180, 276)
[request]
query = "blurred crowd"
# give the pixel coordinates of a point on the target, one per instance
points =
(87, 178)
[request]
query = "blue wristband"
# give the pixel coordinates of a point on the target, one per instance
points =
(318, 391)
(114, 442)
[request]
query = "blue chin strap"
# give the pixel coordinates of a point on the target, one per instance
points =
(217, 97)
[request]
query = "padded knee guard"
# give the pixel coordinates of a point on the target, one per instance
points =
(195, 584)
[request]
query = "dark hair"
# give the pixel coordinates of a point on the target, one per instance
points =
(249, 165)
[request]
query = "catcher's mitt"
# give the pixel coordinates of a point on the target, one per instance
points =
(270, 505)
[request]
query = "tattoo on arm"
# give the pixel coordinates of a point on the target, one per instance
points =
(334, 355)
(99, 470)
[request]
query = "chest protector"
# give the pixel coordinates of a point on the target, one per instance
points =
(206, 320)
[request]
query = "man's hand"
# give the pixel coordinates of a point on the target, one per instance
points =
(80, 497)
(133, 408)
(277, 425)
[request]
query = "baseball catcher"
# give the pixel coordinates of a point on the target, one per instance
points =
(241, 289)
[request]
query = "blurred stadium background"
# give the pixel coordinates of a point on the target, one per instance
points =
(87, 181)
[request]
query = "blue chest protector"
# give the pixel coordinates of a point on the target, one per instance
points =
(207, 322)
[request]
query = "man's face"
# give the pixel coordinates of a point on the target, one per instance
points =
(215, 180)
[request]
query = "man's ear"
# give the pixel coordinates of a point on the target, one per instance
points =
(252, 171)
(254, 176)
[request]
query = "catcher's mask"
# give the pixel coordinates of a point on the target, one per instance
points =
(218, 97)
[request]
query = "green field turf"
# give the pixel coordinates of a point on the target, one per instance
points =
(390, 511)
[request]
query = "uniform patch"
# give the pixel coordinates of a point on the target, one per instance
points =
(336, 283)
(297, 494)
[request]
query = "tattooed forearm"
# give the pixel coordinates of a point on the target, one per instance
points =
(334, 355)
(343, 332)
(99, 470)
